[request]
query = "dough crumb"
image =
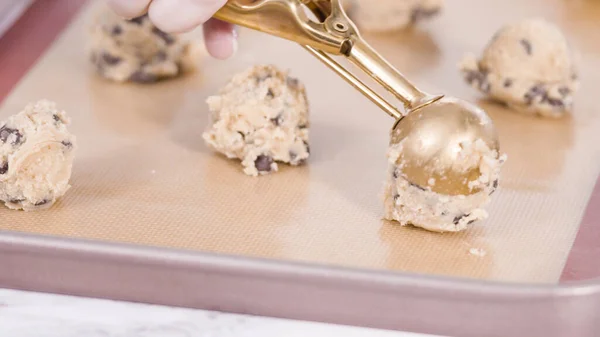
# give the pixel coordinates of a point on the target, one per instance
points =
(477, 252)
(419, 206)
(260, 117)
(528, 66)
(137, 51)
(36, 157)
(389, 15)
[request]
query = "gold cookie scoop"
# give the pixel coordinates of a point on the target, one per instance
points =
(430, 127)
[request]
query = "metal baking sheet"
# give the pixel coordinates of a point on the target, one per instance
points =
(151, 206)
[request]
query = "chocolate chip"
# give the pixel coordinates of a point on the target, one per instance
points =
(270, 93)
(508, 82)
(263, 163)
(43, 202)
(6, 132)
(292, 82)
(56, 118)
(278, 120)
(139, 20)
(526, 45)
(307, 147)
(396, 196)
(564, 91)
(160, 56)
(538, 90)
(458, 218)
(4, 168)
(422, 13)
(534, 92)
(111, 60)
(302, 126)
(116, 30)
(470, 222)
(480, 78)
(293, 156)
(165, 36)
(555, 102)
(142, 77)
(16, 201)
(495, 184)
(67, 144)
(395, 174)
(242, 134)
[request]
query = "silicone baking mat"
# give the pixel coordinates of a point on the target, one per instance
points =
(143, 175)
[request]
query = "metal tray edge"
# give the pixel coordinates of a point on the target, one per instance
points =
(384, 300)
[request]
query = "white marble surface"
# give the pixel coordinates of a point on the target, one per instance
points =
(25, 314)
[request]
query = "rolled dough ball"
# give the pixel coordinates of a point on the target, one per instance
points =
(137, 51)
(410, 204)
(36, 157)
(387, 15)
(528, 66)
(260, 117)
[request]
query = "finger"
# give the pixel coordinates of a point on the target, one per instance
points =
(220, 39)
(129, 8)
(179, 16)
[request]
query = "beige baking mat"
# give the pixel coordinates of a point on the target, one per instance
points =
(144, 176)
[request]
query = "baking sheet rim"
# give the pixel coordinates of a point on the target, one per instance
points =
(585, 225)
(121, 272)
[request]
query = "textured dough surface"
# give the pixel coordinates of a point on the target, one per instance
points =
(410, 204)
(36, 157)
(528, 66)
(137, 51)
(387, 15)
(260, 117)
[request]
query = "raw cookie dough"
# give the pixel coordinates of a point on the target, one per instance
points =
(528, 66)
(137, 51)
(260, 117)
(387, 15)
(410, 204)
(36, 157)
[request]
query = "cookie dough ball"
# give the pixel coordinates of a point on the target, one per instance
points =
(410, 204)
(528, 66)
(388, 15)
(137, 51)
(36, 157)
(260, 117)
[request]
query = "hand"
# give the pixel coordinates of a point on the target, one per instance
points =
(179, 16)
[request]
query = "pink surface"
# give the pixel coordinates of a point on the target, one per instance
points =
(584, 259)
(31, 35)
